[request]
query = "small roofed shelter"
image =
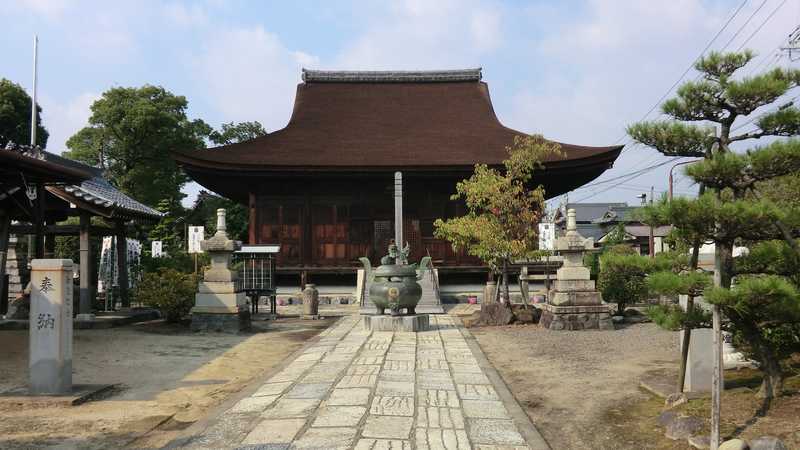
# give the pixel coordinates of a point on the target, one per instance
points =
(322, 186)
(66, 188)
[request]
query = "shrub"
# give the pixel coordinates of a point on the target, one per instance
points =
(622, 279)
(168, 290)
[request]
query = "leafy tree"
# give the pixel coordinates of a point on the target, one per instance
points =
(622, 278)
(734, 211)
(169, 230)
(15, 116)
(170, 291)
(501, 206)
(231, 133)
(131, 133)
(204, 212)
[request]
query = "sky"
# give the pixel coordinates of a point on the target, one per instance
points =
(575, 71)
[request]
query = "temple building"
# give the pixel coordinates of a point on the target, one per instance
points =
(322, 186)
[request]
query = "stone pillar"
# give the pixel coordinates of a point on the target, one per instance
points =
(699, 362)
(219, 306)
(51, 326)
(85, 305)
(489, 292)
(122, 264)
(524, 285)
(310, 302)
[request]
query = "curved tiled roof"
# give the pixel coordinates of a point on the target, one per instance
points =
(99, 192)
(383, 121)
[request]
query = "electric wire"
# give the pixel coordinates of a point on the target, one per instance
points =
(691, 66)
(769, 17)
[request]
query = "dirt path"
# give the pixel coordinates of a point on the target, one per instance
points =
(169, 377)
(573, 383)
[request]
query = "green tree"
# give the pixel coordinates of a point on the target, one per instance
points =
(131, 133)
(502, 209)
(702, 125)
(621, 278)
(204, 212)
(15, 116)
(231, 133)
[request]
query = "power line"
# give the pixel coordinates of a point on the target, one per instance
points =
(744, 25)
(759, 116)
(762, 25)
(630, 176)
(688, 69)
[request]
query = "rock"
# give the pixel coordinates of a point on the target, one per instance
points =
(767, 443)
(526, 314)
(675, 399)
(683, 427)
(19, 308)
(734, 444)
(495, 314)
(666, 417)
(617, 319)
(701, 441)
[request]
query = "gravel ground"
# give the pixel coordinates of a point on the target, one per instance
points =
(568, 381)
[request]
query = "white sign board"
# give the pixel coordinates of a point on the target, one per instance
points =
(547, 235)
(156, 249)
(196, 234)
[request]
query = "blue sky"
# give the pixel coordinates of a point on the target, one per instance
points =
(575, 71)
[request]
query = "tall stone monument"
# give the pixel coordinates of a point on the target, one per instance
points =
(218, 305)
(51, 327)
(574, 303)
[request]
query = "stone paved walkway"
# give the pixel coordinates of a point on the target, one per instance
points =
(354, 389)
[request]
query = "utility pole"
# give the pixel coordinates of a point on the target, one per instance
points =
(33, 120)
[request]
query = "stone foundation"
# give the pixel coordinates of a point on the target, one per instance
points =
(225, 323)
(413, 323)
(597, 317)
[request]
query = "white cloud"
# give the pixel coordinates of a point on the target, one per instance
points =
(51, 9)
(605, 68)
(62, 120)
(250, 74)
(417, 34)
(186, 15)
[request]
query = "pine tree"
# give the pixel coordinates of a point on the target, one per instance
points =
(734, 212)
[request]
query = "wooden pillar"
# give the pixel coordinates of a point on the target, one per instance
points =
(5, 226)
(253, 226)
(39, 221)
(50, 243)
(122, 264)
(85, 306)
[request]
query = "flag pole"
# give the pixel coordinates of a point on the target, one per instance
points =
(33, 97)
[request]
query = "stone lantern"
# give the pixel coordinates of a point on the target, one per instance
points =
(574, 303)
(219, 306)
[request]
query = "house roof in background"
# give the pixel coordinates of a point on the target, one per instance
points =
(587, 212)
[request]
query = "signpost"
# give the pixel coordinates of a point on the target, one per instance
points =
(156, 249)
(196, 235)
(51, 326)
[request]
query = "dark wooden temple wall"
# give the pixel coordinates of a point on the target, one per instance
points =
(331, 222)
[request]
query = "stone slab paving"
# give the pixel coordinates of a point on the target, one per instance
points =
(356, 389)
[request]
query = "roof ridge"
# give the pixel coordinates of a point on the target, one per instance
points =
(391, 76)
